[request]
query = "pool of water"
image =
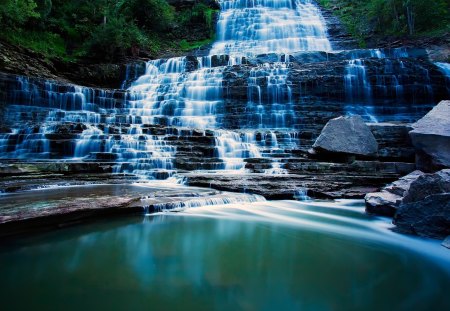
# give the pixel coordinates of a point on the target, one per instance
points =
(275, 255)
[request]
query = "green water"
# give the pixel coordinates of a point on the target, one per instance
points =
(263, 256)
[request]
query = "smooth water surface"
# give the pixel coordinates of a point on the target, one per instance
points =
(280, 255)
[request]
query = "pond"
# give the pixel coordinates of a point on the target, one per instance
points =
(274, 255)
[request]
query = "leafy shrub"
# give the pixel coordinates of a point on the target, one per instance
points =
(114, 38)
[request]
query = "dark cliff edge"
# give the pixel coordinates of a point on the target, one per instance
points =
(22, 61)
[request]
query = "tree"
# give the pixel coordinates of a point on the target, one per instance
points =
(155, 15)
(17, 12)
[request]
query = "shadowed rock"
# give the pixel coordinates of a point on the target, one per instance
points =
(348, 135)
(428, 184)
(431, 138)
(420, 202)
(429, 217)
(446, 242)
(387, 201)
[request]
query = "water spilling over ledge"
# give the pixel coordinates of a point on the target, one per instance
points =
(254, 105)
(241, 119)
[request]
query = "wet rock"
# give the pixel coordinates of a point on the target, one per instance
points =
(429, 217)
(279, 187)
(446, 242)
(347, 135)
(394, 143)
(387, 201)
(426, 185)
(431, 138)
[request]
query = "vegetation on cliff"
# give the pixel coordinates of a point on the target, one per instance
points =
(105, 29)
(398, 18)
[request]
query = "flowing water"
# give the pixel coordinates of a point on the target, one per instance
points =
(281, 255)
(188, 95)
(174, 93)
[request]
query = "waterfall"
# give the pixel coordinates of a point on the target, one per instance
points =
(138, 130)
(170, 94)
(386, 79)
(177, 114)
(445, 69)
(251, 27)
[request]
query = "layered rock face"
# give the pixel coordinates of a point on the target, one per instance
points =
(431, 138)
(270, 115)
(254, 106)
(349, 135)
(419, 202)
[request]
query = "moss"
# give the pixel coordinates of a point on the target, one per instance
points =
(46, 43)
(189, 46)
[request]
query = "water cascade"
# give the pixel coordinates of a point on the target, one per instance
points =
(371, 75)
(179, 114)
(170, 94)
(247, 28)
(445, 68)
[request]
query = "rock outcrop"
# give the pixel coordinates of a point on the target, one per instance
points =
(431, 138)
(446, 242)
(347, 135)
(387, 201)
(426, 185)
(428, 218)
(421, 203)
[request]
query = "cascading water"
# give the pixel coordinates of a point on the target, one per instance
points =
(178, 108)
(169, 94)
(387, 79)
(247, 28)
(445, 69)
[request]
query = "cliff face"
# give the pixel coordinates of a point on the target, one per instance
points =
(21, 61)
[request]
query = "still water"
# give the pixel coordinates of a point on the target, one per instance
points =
(279, 255)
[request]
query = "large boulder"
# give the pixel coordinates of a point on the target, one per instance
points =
(431, 138)
(387, 201)
(346, 135)
(446, 242)
(428, 184)
(428, 218)
(425, 207)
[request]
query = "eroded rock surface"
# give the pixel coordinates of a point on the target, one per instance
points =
(22, 212)
(387, 201)
(431, 138)
(348, 135)
(420, 202)
(429, 217)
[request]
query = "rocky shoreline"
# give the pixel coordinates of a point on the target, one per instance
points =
(360, 158)
(420, 202)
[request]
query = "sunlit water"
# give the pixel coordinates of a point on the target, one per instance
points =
(280, 255)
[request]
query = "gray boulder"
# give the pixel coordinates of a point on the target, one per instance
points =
(431, 138)
(348, 135)
(446, 242)
(428, 184)
(387, 201)
(428, 218)
(425, 207)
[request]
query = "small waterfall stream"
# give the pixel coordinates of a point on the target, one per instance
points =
(445, 68)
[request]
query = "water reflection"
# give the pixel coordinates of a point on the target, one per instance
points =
(276, 255)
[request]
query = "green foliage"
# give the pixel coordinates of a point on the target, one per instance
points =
(44, 8)
(188, 46)
(149, 14)
(49, 44)
(391, 17)
(17, 12)
(104, 29)
(114, 38)
(199, 14)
